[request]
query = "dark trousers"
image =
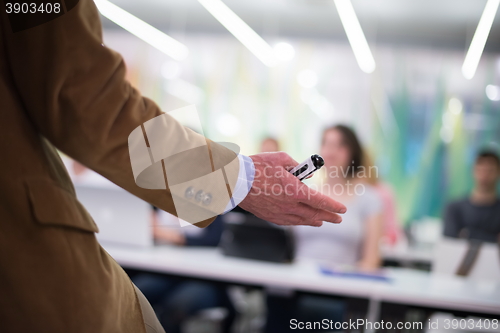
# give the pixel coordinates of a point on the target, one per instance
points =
(150, 320)
(176, 299)
(304, 308)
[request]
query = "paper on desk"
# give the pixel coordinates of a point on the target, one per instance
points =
(355, 274)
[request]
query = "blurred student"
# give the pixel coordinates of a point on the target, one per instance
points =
(353, 244)
(269, 145)
(392, 232)
(478, 215)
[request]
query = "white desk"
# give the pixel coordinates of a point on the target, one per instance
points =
(406, 287)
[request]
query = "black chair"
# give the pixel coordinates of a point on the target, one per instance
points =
(247, 236)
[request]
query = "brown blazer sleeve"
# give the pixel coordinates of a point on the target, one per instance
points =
(75, 92)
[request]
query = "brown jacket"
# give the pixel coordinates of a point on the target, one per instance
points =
(60, 87)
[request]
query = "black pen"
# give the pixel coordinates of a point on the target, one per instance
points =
(308, 167)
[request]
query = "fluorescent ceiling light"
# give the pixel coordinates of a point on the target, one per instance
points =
(307, 78)
(493, 92)
(284, 51)
(228, 124)
(355, 35)
(479, 40)
(144, 31)
(455, 106)
(235, 25)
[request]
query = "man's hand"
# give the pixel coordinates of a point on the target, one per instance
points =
(279, 197)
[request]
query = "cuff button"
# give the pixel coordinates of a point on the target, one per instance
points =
(207, 199)
(199, 196)
(189, 193)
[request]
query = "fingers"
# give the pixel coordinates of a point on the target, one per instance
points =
(320, 201)
(315, 214)
(282, 199)
(287, 162)
(291, 219)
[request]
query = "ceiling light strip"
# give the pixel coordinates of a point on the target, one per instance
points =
(236, 26)
(144, 31)
(479, 40)
(355, 35)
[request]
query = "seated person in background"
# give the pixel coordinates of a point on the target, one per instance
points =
(478, 215)
(175, 299)
(392, 231)
(353, 243)
(269, 145)
(166, 229)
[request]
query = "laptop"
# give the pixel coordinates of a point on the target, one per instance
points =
(247, 236)
(450, 254)
(122, 218)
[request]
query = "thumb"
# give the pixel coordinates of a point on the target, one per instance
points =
(287, 162)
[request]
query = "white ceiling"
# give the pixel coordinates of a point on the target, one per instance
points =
(434, 23)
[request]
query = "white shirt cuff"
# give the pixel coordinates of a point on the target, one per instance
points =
(244, 183)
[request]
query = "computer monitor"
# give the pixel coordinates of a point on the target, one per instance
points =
(122, 218)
